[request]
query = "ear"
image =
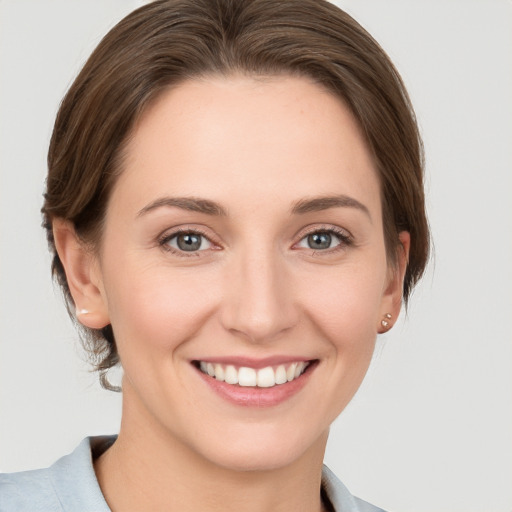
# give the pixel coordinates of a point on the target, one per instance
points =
(83, 276)
(392, 298)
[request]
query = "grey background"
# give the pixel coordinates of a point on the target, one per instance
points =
(430, 430)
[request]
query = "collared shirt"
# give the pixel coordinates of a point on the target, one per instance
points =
(70, 485)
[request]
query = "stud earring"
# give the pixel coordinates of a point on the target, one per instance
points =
(385, 321)
(80, 312)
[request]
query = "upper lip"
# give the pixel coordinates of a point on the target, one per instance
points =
(256, 363)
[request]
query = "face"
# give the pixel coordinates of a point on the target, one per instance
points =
(243, 268)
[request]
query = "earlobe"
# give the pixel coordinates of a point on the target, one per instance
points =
(82, 274)
(392, 299)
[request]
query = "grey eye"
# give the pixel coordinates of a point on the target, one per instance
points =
(322, 240)
(189, 242)
(319, 240)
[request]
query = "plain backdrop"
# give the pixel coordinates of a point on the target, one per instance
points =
(431, 428)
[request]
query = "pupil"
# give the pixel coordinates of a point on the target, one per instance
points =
(319, 241)
(189, 242)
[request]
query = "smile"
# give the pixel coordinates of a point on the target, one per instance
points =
(245, 376)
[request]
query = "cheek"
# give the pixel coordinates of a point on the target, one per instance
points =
(158, 308)
(345, 302)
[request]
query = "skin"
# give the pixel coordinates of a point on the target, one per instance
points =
(257, 148)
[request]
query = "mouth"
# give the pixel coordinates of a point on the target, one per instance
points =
(247, 376)
(256, 383)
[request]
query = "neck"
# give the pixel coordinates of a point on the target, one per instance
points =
(148, 469)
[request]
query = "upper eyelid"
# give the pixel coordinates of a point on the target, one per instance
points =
(172, 232)
(322, 228)
(344, 236)
(299, 236)
(167, 236)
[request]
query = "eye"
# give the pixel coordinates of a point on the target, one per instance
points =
(320, 240)
(325, 239)
(186, 241)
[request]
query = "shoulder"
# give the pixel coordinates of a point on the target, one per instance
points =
(340, 497)
(68, 485)
(28, 490)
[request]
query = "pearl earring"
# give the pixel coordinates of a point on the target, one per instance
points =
(385, 321)
(80, 312)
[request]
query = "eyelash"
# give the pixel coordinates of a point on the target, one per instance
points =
(163, 241)
(345, 238)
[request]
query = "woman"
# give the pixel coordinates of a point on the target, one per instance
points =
(235, 206)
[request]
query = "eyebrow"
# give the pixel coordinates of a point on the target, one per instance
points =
(192, 204)
(317, 204)
(314, 204)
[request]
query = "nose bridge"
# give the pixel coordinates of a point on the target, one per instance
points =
(258, 303)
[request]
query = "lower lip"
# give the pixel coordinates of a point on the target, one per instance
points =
(258, 397)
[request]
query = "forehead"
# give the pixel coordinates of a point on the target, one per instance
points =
(280, 137)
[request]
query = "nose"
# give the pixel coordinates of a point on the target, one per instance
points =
(258, 303)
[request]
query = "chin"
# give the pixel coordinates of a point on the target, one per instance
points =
(263, 450)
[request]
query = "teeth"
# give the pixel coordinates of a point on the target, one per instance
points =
(231, 375)
(290, 373)
(219, 372)
(249, 377)
(266, 377)
(281, 375)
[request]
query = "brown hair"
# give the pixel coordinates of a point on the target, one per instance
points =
(169, 41)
